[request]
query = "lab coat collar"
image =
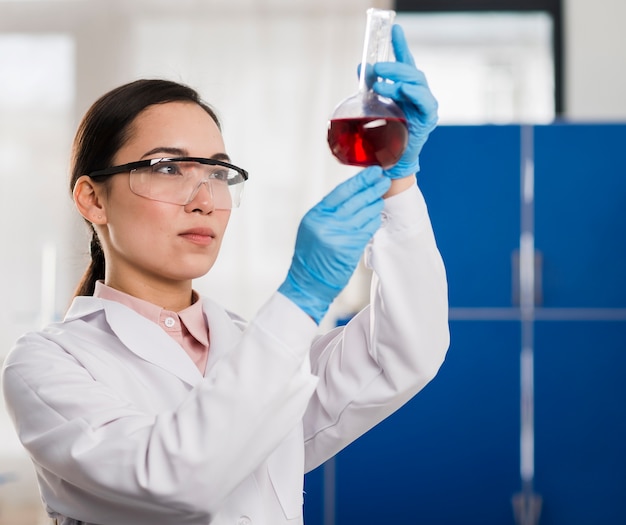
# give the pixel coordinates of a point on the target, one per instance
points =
(83, 306)
(148, 340)
(224, 333)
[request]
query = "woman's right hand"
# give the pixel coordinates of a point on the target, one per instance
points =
(331, 239)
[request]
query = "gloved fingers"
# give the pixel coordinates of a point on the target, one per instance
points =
(401, 46)
(369, 221)
(423, 99)
(368, 182)
(348, 241)
(355, 216)
(391, 91)
(419, 96)
(399, 72)
(368, 200)
(347, 218)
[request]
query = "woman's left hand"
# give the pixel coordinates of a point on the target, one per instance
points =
(410, 91)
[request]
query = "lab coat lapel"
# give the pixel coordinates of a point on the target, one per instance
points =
(223, 331)
(150, 342)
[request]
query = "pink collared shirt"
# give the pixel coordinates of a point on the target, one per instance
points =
(187, 327)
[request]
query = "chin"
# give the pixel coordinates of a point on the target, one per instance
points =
(199, 271)
(192, 267)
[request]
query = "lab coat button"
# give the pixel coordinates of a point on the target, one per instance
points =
(169, 322)
(244, 520)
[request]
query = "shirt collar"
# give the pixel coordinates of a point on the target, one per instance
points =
(192, 316)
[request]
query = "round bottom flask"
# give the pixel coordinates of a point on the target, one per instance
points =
(367, 129)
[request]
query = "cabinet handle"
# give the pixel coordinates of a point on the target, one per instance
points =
(515, 278)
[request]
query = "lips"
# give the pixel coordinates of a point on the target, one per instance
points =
(198, 235)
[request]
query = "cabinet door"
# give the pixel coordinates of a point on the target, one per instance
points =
(580, 214)
(580, 343)
(580, 422)
(451, 454)
(470, 176)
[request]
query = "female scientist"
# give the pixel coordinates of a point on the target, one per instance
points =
(151, 405)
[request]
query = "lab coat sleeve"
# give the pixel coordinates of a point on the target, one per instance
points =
(389, 351)
(169, 465)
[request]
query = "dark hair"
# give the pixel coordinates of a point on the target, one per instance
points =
(104, 130)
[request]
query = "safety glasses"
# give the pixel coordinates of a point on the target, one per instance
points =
(177, 180)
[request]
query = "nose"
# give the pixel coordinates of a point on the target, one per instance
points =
(201, 198)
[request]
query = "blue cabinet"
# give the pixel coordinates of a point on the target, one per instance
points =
(580, 194)
(580, 421)
(451, 455)
(471, 182)
(452, 451)
(580, 336)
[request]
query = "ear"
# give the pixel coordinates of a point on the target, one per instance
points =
(88, 197)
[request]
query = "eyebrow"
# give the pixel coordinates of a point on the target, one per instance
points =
(178, 152)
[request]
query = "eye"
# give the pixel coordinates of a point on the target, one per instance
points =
(220, 174)
(167, 168)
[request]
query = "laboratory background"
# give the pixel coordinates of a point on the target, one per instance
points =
(526, 184)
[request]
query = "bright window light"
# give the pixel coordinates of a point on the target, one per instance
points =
(37, 72)
(486, 67)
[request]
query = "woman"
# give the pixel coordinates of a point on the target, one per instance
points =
(151, 405)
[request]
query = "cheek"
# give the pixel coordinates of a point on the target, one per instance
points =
(224, 217)
(140, 221)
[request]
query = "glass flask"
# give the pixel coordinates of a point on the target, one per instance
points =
(367, 129)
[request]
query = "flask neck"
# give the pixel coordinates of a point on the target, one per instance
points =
(376, 45)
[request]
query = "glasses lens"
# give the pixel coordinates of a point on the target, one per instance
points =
(178, 182)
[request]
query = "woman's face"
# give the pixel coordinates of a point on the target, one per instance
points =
(152, 242)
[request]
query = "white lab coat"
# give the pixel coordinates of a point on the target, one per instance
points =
(123, 429)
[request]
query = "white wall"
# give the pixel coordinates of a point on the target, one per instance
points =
(595, 59)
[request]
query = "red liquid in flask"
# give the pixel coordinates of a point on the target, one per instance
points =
(368, 141)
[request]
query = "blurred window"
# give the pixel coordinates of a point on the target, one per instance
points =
(486, 67)
(36, 116)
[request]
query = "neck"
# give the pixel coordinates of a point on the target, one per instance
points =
(171, 295)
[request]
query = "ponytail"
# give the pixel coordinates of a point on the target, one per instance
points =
(95, 270)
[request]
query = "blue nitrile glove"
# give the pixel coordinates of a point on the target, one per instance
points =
(410, 91)
(331, 239)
